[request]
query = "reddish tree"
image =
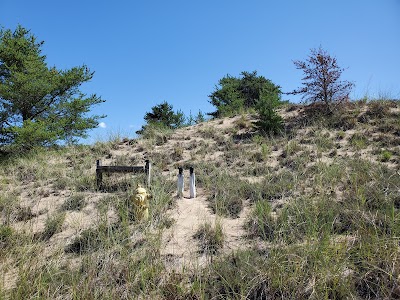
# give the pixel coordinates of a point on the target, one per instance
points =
(321, 81)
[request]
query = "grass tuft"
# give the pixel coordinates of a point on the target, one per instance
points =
(74, 202)
(211, 239)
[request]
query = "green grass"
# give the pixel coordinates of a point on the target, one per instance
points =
(386, 155)
(6, 233)
(359, 141)
(53, 225)
(227, 194)
(74, 202)
(211, 239)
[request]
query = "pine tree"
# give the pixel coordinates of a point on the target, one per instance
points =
(40, 105)
(321, 79)
(269, 121)
(162, 116)
(234, 95)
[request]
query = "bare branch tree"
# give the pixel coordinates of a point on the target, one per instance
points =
(321, 79)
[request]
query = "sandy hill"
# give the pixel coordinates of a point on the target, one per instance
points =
(325, 193)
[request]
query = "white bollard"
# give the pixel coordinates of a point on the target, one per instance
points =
(180, 183)
(192, 183)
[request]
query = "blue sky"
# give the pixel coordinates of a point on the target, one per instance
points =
(145, 52)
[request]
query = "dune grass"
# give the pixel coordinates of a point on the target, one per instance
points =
(324, 219)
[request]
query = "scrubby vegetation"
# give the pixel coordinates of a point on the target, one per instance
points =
(322, 195)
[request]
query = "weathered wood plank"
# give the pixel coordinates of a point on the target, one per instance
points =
(99, 175)
(120, 169)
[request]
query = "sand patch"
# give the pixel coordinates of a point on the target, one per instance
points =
(179, 245)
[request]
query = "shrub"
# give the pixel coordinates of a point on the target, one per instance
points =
(269, 121)
(162, 116)
(235, 95)
(378, 109)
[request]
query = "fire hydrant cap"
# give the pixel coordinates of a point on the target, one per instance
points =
(141, 190)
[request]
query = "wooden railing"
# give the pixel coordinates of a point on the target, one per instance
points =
(121, 169)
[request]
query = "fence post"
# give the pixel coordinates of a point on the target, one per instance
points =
(99, 175)
(147, 170)
(180, 182)
(192, 183)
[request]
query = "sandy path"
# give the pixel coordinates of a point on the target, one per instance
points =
(179, 246)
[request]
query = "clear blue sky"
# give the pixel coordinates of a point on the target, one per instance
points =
(145, 52)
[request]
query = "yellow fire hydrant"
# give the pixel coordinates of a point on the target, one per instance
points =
(141, 203)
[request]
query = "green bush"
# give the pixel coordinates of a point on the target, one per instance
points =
(269, 121)
(235, 95)
(162, 116)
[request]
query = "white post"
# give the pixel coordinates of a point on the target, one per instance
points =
(192, 183)
(180, 183)
(147, 169)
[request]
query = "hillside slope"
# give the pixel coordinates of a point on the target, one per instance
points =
(311, 213)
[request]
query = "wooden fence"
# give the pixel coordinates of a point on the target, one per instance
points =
(121, 169)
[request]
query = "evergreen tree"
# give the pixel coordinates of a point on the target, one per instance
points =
(269, 121)
(40, 105)
(321, 79)
(227, 97)
(162, 116)
(233, 95)
(200, 117)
